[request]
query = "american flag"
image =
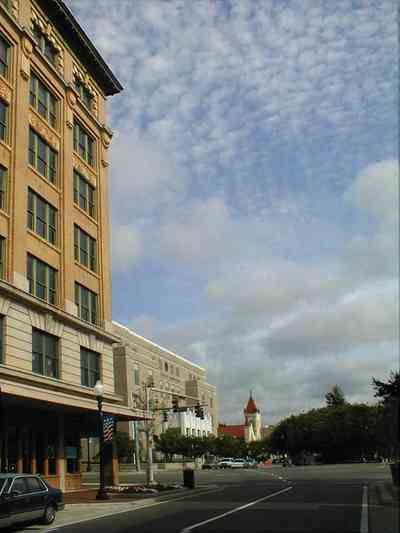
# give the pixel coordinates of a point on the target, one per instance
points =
(108, 427)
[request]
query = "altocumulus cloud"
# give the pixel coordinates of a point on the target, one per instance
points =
(254, 189)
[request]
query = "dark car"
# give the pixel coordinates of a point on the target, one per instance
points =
(27, 498)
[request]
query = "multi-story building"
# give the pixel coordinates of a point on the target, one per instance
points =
(139, 361)
(55, 303)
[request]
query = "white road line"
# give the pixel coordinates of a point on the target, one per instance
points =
(364, 511)
(139, 507)
(237, 509)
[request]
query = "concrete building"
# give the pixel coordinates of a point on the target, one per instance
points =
(55, 304)
(138, 361)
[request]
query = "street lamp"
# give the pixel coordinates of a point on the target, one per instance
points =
(99, 391)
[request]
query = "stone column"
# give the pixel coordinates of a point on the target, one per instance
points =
(45, 453)
(60, 453)
(20, 460)
(33, 451)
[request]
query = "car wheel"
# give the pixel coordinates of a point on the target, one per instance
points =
(49, 514)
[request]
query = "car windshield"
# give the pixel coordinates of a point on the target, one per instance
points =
(2, 482)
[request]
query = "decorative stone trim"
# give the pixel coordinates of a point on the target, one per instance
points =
(44, 131)
(84, 79)
(4, 305)
(46, 322)
(106, 136)
(5, 91)
(47, 29)
(4, 156)
(53, 326)
(14, 5)
(85, 170)
(27, 49)
(91, 342)
(71, 103)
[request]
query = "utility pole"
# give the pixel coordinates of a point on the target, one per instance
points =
(137, 445)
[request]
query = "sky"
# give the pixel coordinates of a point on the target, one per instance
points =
(254, 190)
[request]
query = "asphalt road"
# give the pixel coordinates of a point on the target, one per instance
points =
(326, 499)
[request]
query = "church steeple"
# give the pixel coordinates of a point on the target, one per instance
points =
(251, 405)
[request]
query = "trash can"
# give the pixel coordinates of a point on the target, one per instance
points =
(188, 478)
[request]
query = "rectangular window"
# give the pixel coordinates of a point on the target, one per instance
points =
(84, 194)
(44, 45)
(42, 100)
(2, 257)
(42, 280)
(84, 94)
(42, 157)
(86, 301)
(136, 375)
(83, 143)
(3, 187)
(4, 57)
(90, 367)
(3, 121)
(42, 217)
(44, 354)
(84, 248)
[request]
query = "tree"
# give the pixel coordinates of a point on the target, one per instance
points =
(125, 445)
(170, 442)
(389, 395)
(335, 397)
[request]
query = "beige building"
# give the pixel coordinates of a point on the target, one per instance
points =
(138, 361)
(55, 305)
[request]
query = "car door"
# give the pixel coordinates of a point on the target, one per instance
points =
(5, 520)
(19, 501)
(38, 493)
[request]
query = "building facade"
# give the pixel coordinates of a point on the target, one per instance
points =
(55, 304)
(139, 361)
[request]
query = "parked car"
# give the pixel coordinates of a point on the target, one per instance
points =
(225, 462)
(230, 462)
(251, 463)
(27, 498)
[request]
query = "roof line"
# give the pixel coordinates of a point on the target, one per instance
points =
(157, 345)
(114, 85)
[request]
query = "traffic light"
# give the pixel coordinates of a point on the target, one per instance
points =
(165, 416)
(175, 404)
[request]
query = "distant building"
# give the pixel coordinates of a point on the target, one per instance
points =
(251, 430)
(138, 361)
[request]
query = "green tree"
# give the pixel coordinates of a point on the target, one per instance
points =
(125, 445)
(389, 396)
(171, 442)
(335, 397)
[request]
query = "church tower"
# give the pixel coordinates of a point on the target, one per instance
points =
(252, 421)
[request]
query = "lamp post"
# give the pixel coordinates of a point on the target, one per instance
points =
(99, 391)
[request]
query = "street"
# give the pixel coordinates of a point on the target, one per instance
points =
(317, 499)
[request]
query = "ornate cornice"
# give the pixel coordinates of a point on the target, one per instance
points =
(48, 31)
(84, 79)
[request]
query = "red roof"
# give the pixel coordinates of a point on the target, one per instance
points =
(251, 406)
(234, 431)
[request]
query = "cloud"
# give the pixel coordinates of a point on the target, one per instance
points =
(126, 247)
(253, 170)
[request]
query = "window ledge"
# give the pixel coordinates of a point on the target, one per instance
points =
(41, 239)
(86, 269)
(55, 187)
(80, 210)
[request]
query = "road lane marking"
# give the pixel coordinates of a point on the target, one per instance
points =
(138, 506)
(237, 509)
(364, 511)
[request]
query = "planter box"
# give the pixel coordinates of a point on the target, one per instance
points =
(395, 470)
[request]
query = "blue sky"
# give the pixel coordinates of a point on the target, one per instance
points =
(254, 183)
